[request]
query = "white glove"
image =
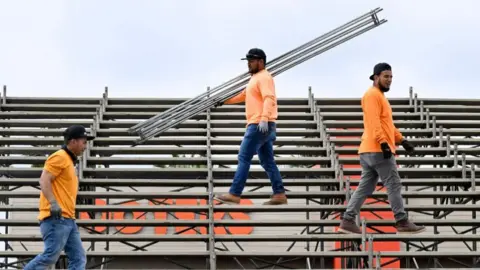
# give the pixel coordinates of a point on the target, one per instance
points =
(263, 126)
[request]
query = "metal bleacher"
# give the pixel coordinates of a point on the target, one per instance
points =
(158, 193)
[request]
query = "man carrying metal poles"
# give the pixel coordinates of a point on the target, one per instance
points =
(377, 155)
(261, 113)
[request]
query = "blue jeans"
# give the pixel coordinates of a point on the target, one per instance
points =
(256, 142)
(59, 234)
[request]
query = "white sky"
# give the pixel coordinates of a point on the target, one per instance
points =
(160, 49)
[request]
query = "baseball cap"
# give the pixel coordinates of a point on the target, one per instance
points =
(255, 53)
(77, 132)
(379, 68)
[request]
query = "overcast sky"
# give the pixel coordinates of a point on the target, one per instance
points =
(155, 48)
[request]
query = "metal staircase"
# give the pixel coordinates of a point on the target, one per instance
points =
(160, 202)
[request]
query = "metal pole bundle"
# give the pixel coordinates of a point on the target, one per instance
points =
(190, 108)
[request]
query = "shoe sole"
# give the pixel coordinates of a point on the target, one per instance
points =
(225, 202)
(268, 203)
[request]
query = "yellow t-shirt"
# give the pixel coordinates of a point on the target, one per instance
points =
(64, 186)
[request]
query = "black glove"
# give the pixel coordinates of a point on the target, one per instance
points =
(55, 210)
(218, 104)
(387, 152)
(408, 146)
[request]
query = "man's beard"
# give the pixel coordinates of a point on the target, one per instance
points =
(383, 88)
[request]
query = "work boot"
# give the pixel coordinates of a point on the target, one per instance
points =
(277, 199)
(349, 226)
(228, 198)
(407, 227)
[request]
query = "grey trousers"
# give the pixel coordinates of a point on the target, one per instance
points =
(374, 165)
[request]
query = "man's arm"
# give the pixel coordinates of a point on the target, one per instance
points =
(52, 168)
(46, 185)
(267, 90)
(398, 136)
(372, 109)
(236, 99)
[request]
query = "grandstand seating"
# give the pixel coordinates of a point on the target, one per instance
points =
(158, 196)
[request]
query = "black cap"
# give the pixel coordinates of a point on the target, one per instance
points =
(255, 53)
(379, 68)
(77, 132)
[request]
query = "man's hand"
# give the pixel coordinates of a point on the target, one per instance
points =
(55, 210)
(218, 104)
(387, 152)
(408, 147)
(263, 126)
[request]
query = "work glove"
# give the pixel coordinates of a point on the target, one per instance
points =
(408, 147)
(55, 210)
(218, 104)
(387, 152)
(263, 126)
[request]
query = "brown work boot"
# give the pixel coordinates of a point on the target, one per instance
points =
(277, 199)
(407, 227)
(228, 198)
(349, 226)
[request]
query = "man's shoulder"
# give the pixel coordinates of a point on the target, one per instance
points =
(57, 156)
(59, 152)
(265, 73)
(262, 75)
(372, 92)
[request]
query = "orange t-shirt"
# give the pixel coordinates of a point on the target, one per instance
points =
(377, 123)
(64, 186)
(259, 97)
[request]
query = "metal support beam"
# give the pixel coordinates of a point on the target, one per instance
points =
(313, 110)
(427, 119)
(4, 95)
(448, 145)
(422, 109)
(473, 177)
(455, 155)
(370, 252)
(211, 220)
(105, 99)
(440, 134)
(415, 105)
(410, 96)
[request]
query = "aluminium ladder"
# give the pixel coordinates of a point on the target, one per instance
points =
(190, 108)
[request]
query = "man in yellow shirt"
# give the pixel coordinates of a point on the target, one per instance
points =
(377, 155)
(261, 114)
(59, 185)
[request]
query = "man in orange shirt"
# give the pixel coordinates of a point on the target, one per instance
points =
(377, 150)
(59, 185)
(261, 113)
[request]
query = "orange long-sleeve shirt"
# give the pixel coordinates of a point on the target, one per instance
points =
(259, 97)
(377, 123)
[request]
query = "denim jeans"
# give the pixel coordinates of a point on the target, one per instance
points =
(256, 142)
(59, 234)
